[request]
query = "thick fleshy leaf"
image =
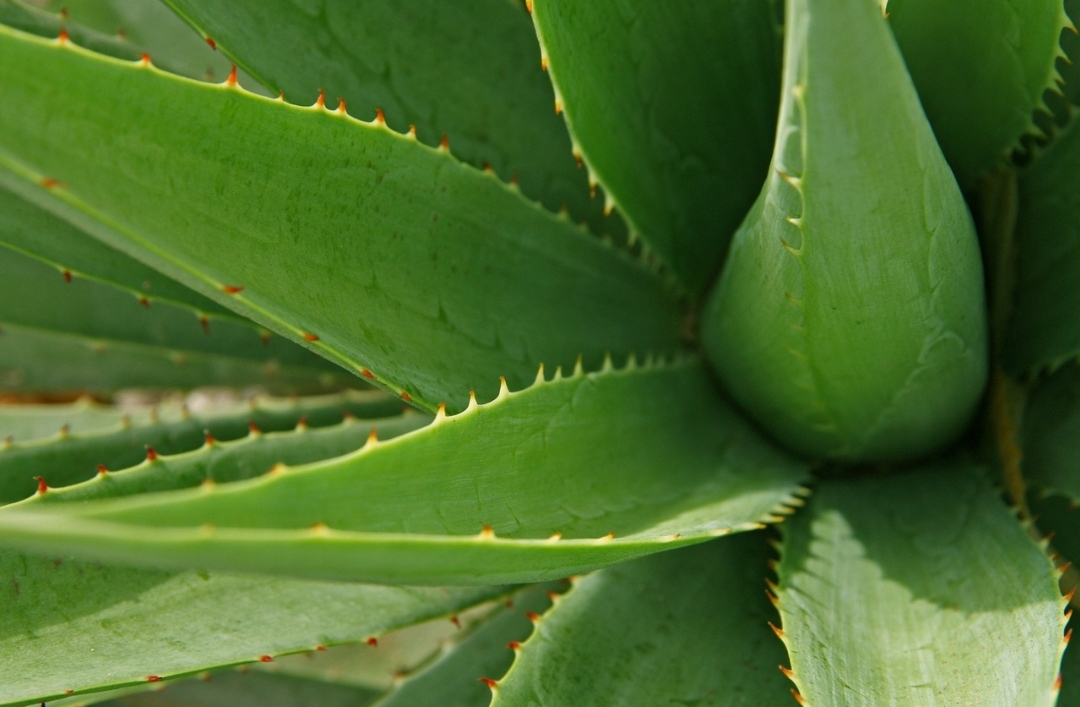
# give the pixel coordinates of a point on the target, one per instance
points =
(28, 422)
(378, 252)
(1050, 433)
(72, 457)
(1045, 327)
(919, 588)
(40, 360)
(867, 338)
(222, 462)
(29, 18)
(454, 678)
(981, 67)
(71, 626)
(470, 71)
(35, 232)
(38, 296)
(563, 477)
(687, 627)
(673, 109)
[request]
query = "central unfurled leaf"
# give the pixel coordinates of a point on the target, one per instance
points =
(427, 276)
(849, 317)
(673, 109)
(566, 476)
(919, 589)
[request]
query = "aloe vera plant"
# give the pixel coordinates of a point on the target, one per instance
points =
(634, 349)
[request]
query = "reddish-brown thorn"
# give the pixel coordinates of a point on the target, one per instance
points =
(67, 275)
(532, 616)
(63, 36)
(543, 63)
(513, 645)
(787, 672)
(308, 336)
(412, 131)
(63, 13)
(772, 598)
(210, 41)
(553, 596)
(1064, 567)
(153, 678)
(253, 428)
(144, 301)
(50, 183)
(266, 659)
(208, 438)
(509, 603)
(445, 142)
(321, 100)
(528, 6)
(232, 289)
(406, 397)
(341, 107)
(778, 631)
(1068, 636)
(151, 455)
(1072, 592)
(346, 415)
(144, 59)
(204, 321)
(455, 620)
(798, 698)
(301, 424)
(281, 95)
(68, 691)
(380, 117)
(231, 80)
(489, 682)
(321, 649)
(580, 161)
(1057, 682)
(101, 470)
(366, 373)
(558, 107)
(42, 487)
(373, 642)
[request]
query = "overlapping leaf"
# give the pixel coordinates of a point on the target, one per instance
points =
(563, 477)
(376, 251)
(673, 109)
(684, 627)
(918, 589)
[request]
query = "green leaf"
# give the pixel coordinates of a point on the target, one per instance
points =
(451, 680)
(918, 589)
(71, 626)
(196, 179)
(69, 458)
(981, 67)
(36, 295)
(1045, 327)
(685, 627)
(620, 463)
(1050, 433)
(39, 234)
(232, 688)
(215, 461)
(867, 340)
(470, 71)
(37, 360)
(26, 422)
(673, 109)
(30, 18)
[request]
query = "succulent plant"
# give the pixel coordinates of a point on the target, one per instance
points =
(759, 349)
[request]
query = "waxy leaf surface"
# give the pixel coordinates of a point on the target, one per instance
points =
(566, 476)
(918, 589)
(382, 254)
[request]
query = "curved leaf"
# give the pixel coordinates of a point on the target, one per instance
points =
(918, 589)
(35, 295)
(197, 179)
(220, 462)
(673, 109)
(1044, 329)
(563, 477)
(687, 627)
(467, 70)
(69, 458)
(981, 67)
(1050, 433)
(70, 627)
(37, 360)
(232, 688)
(30, 18)
(29, 422)
(37, 233)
